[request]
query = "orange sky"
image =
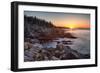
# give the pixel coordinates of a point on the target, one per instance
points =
(73, 23)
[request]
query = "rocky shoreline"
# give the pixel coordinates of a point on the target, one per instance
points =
(36, 53)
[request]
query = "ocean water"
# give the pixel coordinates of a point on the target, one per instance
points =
(81, 43)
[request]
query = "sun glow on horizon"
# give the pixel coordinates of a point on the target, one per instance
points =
(74, 26)
(73, 23)
(71, 26)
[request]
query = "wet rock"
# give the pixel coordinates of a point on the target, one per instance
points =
(67, 42)
(54, 58)
(27, 45)
(38, 53)
(69, 35)
(71, 56)
(27, 58)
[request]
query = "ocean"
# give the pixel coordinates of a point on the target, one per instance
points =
(81, 43)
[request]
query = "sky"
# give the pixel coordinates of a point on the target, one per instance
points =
(71, 20)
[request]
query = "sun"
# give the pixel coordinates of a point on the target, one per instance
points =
(71, 26)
